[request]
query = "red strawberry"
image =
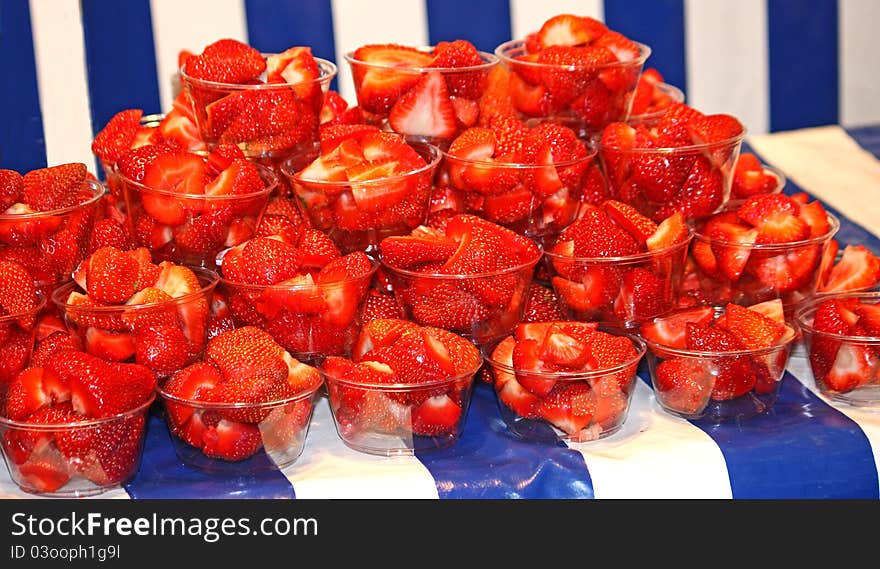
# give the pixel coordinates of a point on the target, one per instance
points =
(54, 187)
(52, 344)
(732, 247)
(101, 389)
(240, 177)
(853, 366)
(438, 415)
(568, 68)
(261, 260)
(701, 194)
(379, 87)
(232, 441)
(753, 329)
(33, 388)
(111, 276)
(191, 383)
(380, 333)
(710, 129)
(816, 218)
(671, 231)
(595, 235)
(117, 135)
(46, 473)
(408, 252)
(568, 29)
(858, 268)
(628, 217)
(378, 305)
(642, 295)
(108, 232)
(247, 352)
(226, 61)
(18, 293)
(671, 330)
(221, 158)
(133, 163)
(11, 187)
(833, 317)
(333, 135)
(163, 349)
(316, 248)
(460, 53)
(570, 406)
(425, 110)
(542, 305)
(297, 67)
(672, 127)
(756, 210)
(518, 399)
(750, 178)
(681, 385)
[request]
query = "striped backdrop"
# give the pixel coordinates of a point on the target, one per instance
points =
(69, 65)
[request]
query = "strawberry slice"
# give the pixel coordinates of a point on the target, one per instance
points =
(638, 226)
(46, 473)
(11, 187)
(517, 398)
(316, 248)
(857, 269)
(380, 333)
(438, 415)
(55, 187)
(232, 441)
(32, 389)
(782, 228)
(681, 385)
(425, 110)
(240, 177)
(671, 231)
(117, 135)
(753, 329)
(101, 389)
(408, 252)
(191, 383)
(569, 30)
(226, 61)
(181, 173)
(333, 135)
(380, 84)
(570, 406)
(854, 365)
(732, 248)
(671, 330)
(18, 293)
(247, 353)
(297, 67)
(541, 305)
(816, 218)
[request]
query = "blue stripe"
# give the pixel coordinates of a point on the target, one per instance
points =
(489, 462)
(163, 476)
(803, 63)
(22, 146)
(868, 138)
(121, 58)
(851, 233)
(659, 24)
(275, 25)
(486, 24)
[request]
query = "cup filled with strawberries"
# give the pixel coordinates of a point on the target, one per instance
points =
(364, 185)
(266, 104)
(564, 380)
(574, 70)
(406, 388)
(719, 363)
(72, 424)
(472, 278)
(615, 266)
(305, 294)
(429, 93)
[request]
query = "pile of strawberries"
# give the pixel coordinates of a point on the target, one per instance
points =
(402, 380)
(247, 395)
(570, 374)
(305, 293)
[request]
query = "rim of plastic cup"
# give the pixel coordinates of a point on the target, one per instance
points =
(503, 51)
(98, 190)
(638, 343)
(374, 266)
(446, 276)
(217, 405)
(398, 387)
(266, 174)
(803, 316)
(490, 60)
(834, 227)
(328, 70)
(591, 154)
(142, 408)
(689, 149)
(60, 295)
(673, 92)
(434, 152)
(626, 258)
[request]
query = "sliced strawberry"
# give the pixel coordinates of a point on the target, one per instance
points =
(570, 30)
(101, 389)
(438, 415)
(378, 305)
(133, 163)
(11, 187)
(710, 129)
(407, 252)
(752, 328)
(816, 218)
(757, 209)
(240, 177)
(380, 333)
(772, 309)
(671, 231)
(595, 235)
(542, 305)
(109, 345)
(18, 293)
(55, 187)
(379, 87)
(783, 229)
(297, 67)
(26, 393)
(671, 330)
(638, 226)
(163, 349)
(425, 110)
(682, 386)
(518, 399)
(46, 473)
(226, 61)
(477, 143)
(263, 261)
(854, 365)
(108, 232)
(857, 269)
(117, 135)
(732, 248)
(191, 383)
(247, 352)
(569, 406)
(178, 128)
(232, 441)
(58, 341)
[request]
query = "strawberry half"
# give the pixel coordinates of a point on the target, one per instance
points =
(425, 110)
(54, 187)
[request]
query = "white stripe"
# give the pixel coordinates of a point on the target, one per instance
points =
(61, 76)
(829, 164)
(868, 420)
(727, 59)
(329, 469)
(527, 16)
(190, 25)
(656, 455)
(859, 64)
(357, 23)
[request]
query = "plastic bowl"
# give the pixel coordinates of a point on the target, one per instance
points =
(688, 386)
(45, 459)
(618, 292)
(310, 321)
(538, 201)
(384, 419)
(115, 333)
(858, 357)
(608, 88)
(163, 220)
(465, 83)
(271, 435)
(607, 392)
(481, 307)
(357, 216)
(788, 271)
(35, 234)
(710, 165)
(263, 100)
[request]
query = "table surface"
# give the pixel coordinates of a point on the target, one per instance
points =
(804, 447)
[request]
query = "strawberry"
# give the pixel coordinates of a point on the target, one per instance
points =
(261, 260)
(271, 120)
(628, 217)
(226, 61)
(570, 406)
(111, 276)
(133, 163)
(732, 247)
(750, 178)
(108, 232)
(833, 317)
(569, 30)
(455, 54)
(56, 342)
(47, 473)
(32, 389)
(316, 248)
(858, 268)
(333, 135)
(163, 349)
(476, 143)
(756, 210)
(672, 127)
(595, 235)
(542, 305)
(334, 105)
(671, 330)
(408, 252)
(518, 399)
(192, 382)
(101, 389)
(642, 295)
(109, 345)
(247, 352)
(18, 293)
(378, 305)
(712, 129)
(54, 187)
(701, 195)
(380, 333)
(117, 135)
(437, 415)
(682, 386)
(296, 66)
(239, 178)
(378, 88)
(853, 366)
(232, 441)
(568, 68)
(753, 329)
(671, 231)
(11, 187)
(425, 110)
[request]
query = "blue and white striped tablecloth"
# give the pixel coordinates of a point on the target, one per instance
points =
(805, 447)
